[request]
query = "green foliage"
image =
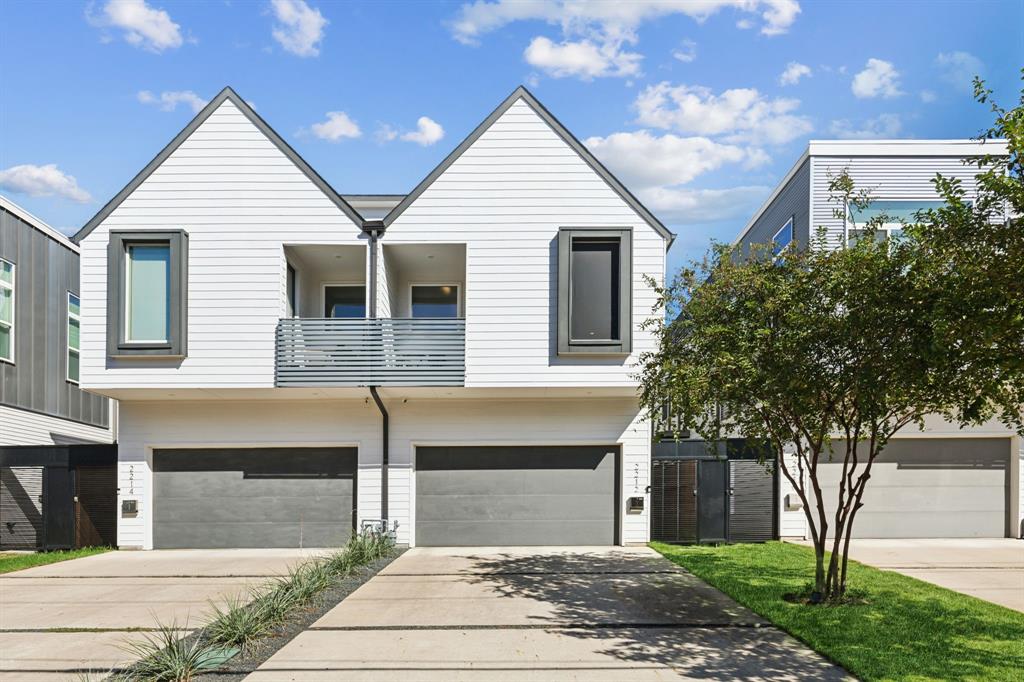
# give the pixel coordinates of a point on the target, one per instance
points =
(856, 341)
(899, 628)
(18, 561)
(237, 623)
(167, 656)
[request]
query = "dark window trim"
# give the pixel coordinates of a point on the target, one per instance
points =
(176, 345)
(623, 345)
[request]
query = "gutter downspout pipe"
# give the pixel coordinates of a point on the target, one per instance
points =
(375, 228)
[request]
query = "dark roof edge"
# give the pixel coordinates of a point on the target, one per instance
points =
(226, 94)
(563, 132)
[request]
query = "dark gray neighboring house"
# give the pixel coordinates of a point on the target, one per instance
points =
(40, 399)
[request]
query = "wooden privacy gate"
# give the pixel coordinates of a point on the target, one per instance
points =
(699, 498)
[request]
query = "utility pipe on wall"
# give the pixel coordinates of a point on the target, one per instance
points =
(374, 228)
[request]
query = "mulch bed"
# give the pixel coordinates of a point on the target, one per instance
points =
(256, 654)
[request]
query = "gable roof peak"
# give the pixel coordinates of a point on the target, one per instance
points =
(226, 94)
(588, 157)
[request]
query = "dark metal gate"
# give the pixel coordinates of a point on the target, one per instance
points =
(697, 496)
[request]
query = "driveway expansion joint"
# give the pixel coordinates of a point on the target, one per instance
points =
(547, 627)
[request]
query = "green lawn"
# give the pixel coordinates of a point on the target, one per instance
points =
(907, 630)
(10, 561)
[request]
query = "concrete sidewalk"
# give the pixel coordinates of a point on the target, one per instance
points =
(620, 614)
(989, 569)
(60, 620)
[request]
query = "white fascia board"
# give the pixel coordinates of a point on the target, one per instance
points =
(37, 223)
(966, 147)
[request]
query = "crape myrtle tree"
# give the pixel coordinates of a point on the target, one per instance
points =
(825, 350)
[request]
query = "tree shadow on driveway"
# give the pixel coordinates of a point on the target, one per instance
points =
(646, 610)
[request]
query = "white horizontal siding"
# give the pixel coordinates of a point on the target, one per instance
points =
(505, 198)
(240, 199)
(146, 425)
(886, 178)
(21, 427)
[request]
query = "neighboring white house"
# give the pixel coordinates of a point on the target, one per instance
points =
(941, 481)
(257, 326)
(41, 402)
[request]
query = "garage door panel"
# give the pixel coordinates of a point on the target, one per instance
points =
(253, 497)
(516, 495)
(219, 535)
(930, 487)
(964, 524)
(204, 484)
(514, 507)
(504, 532)
(264, 509)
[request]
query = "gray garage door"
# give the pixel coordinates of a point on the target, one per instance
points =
(932, 487)
(516, 496)
(265, 497)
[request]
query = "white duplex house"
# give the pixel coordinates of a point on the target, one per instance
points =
(939, 481)
(292, 363)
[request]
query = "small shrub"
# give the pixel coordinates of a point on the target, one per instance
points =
(169, 655)
(238, 623)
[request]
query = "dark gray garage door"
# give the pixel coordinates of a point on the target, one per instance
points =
(932, 488)
(265, 497)
(516, 496)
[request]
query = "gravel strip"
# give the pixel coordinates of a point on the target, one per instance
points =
(255, 655)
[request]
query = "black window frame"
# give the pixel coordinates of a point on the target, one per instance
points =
(622, 345)
(176, 345)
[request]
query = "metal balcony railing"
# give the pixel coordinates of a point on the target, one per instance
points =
(370, 352)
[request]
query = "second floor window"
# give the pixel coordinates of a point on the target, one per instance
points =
(892, 214)
(344, 300)
(594, 292)
(74, 336)
(782, 238)
(147, 277)
(147, 293)
(430, 300)
(6, 310)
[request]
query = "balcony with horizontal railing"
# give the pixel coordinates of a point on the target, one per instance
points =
(370, 352)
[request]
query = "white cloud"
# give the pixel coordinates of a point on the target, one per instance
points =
(793, 73)
(337, 127)
(927, 96)
(642, 160)
(169, 100)
(741, 113)
(428, 132)
(385, 133)
(610, 18)
(300, 28)
(582, 58)
(685, 205)
(878, 79)
(687, 51)
(42, 181)
(142, 26)
(595, 33)
(880, 127)
(959, 69)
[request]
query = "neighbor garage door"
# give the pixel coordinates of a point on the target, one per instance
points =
(932, 488)
(264, 497)
(516, 495)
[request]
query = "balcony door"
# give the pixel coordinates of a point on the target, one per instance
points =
(344, 300)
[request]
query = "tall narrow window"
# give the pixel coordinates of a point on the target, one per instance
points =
(6, 310)
(147, 293)
(782, 238)
(347, 300)
(74, 336)
(290, 285)
(594, 292)
(434, 300)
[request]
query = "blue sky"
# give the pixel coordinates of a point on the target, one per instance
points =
(699, 107)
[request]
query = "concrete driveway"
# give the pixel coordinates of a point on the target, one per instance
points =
(535, 614)
(989, 569)
(60, 620)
